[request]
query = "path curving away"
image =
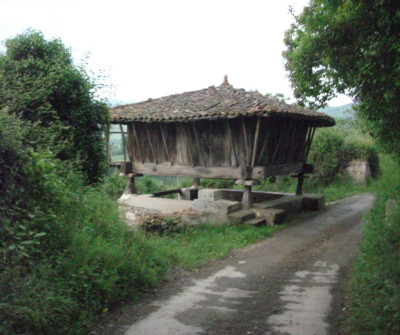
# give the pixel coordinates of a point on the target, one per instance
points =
(288, 284)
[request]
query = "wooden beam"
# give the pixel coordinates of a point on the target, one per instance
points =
(265, 144)
(246, 145)
(188, 146)
(165, 144)
(253, 159)
(123, 142)
(293, 140)
(257, 173)
(232, 143)
(198, 144)
(151, 144)
(188, 171)
(137, 142)
(285, 123)
(309, 144)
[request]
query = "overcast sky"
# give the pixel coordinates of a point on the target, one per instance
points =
(153, 48)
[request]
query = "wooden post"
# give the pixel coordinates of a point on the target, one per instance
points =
(253, 158)
(165, 145)
(130, 187)
(155, 160)
(246, 145)
(300, 182)
(123, 142)
(232, 143)
(196, 182)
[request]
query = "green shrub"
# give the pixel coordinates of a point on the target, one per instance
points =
(331, 152)
(40, 83)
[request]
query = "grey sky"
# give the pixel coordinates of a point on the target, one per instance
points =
(152, 48)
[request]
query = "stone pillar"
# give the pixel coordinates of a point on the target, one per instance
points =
(247, 197)
(246, 200)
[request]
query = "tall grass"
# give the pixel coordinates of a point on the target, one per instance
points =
(375, 285)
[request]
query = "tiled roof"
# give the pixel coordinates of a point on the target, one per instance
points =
(221, 102)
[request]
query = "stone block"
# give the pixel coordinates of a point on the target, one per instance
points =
(359, 170)
(313, 202)
(273, 216)
(210, 194)
(201, 206)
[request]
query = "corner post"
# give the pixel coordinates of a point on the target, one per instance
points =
(130, 187)
(300, 182)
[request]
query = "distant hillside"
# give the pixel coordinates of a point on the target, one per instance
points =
(339, 111)
(113, 102)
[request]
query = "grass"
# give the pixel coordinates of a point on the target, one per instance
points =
(98, 261)
(374, 291)
(203, 243)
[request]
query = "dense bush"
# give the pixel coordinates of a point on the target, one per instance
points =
(40, 83)
(331, 152)
(65, 255)
(375, 287)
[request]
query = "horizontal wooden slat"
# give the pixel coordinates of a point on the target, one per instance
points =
(188, 171)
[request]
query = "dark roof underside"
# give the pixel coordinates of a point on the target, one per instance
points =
(222, 102)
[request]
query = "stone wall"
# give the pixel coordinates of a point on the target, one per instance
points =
(359, 170)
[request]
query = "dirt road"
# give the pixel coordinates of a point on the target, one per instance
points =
(289, 284)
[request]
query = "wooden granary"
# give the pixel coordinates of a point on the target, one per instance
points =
(218, 132)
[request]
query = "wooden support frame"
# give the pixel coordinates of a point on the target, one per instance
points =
(285, 124)
(188, 146)
(165, 145)
(198, 144)
(125, 145)
(309, 143)
(135, 136)
(265, 145)
(232, 143)
(255, 144)
(246, 144)
(151, 144)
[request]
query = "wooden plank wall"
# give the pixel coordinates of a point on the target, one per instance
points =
(241, 142)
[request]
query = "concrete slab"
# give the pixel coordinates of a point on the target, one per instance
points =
(160, 205)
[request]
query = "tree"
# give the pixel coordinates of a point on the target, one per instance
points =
(40, 84)
(351, 47)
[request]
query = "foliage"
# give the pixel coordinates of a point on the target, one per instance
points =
(40, 84)
(350, 46)
(374, 292)
(331, 153)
